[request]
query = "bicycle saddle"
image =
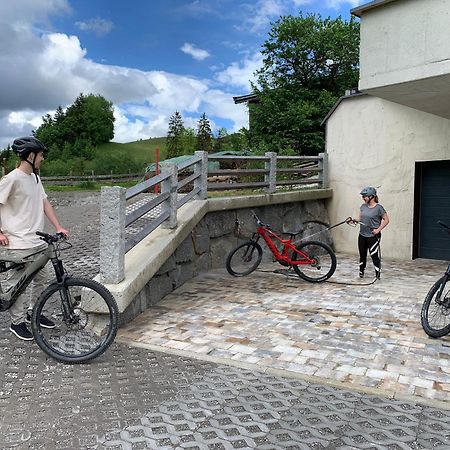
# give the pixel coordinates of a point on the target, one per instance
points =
(292, 233)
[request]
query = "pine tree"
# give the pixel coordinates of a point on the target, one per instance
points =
(220, 140)
(204, 134)
(175, 136)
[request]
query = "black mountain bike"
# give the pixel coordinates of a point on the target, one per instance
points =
(84, 311)
(435, 314)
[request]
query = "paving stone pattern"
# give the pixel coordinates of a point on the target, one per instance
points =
(132, 399)
(135, 398)
(364, 336)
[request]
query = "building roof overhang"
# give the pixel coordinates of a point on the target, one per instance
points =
(249, 98)
(354, 93)
(359, 10)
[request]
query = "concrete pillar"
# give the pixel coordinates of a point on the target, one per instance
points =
(323, 175)
(271, 177)
(112, 234)
(170, 205)
(202, 181)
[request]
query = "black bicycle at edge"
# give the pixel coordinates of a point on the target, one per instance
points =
(435, 315)
(84, 311)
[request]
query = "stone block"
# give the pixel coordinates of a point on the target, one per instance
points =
(183, 273)
(220, 248)
(185, 251)
(168, 266)
(220, 223)
(158, 287)
(201, 238)
(202, 264)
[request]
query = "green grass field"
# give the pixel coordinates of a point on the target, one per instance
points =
(142, 151)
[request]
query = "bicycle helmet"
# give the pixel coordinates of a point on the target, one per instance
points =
(23, 146)
(368, 191)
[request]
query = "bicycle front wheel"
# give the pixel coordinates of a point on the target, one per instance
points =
(85, 316)
(319, 258)
(244, 259)
(435, 315)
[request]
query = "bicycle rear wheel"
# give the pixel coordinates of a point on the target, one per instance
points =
(323, 261)
(244, 259)
(85, 316)
(435, 315)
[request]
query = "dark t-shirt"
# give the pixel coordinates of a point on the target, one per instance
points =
(371, 218)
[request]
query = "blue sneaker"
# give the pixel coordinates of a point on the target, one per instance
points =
(21, 331)
(45, 323)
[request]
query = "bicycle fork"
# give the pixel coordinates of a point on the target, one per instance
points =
(440, 293)
(67, 305)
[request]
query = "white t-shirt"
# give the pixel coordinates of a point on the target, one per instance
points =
(21, 209)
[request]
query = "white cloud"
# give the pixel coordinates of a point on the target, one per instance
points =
(262, 12)
(44, 70)
(329, 3)
(99, 26)
(197, 53)
(27, 11)
(240, 72)
(338, 3)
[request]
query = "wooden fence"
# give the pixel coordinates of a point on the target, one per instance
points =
(122, 226)
(77, 179)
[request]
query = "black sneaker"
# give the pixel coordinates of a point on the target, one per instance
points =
(377, 274)
(45, 323)
(361, 274)
(21, 331)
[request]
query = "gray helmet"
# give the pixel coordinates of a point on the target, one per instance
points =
(369, 191)
(23, 146)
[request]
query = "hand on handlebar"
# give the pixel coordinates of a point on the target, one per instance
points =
(63, 232)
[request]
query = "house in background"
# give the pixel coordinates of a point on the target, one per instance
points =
(394, 133)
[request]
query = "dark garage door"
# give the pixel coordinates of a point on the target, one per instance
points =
(434, 204)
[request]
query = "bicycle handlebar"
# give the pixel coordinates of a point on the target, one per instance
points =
(51, 238)
(259, 222)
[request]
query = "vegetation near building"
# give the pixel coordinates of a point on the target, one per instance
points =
(308, 64)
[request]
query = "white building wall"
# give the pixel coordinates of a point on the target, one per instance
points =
(371, 141)
(403, 41)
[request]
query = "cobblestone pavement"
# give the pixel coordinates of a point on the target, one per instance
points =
(361, 336)
(134, 398)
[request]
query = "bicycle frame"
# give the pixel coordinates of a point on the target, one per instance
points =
(8, 298)
(445, 279)
(447, 272)
(282, 256)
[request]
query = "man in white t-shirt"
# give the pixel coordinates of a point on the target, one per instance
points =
(23, 207)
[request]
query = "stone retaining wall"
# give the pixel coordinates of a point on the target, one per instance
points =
(210, 241)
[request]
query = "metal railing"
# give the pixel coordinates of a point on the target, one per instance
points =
(123, 226)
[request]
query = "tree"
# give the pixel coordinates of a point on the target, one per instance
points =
(220, 140)
(308, 63)
(175, 136)
(189, 141)
(204, 134)
(88, 122)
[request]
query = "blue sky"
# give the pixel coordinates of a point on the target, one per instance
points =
(149, 57)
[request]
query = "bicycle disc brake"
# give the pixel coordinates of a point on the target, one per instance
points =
(316, 262)
(78, 320)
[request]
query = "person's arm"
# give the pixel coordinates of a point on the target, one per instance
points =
(384, 223)
(6, 185)
(51, 216)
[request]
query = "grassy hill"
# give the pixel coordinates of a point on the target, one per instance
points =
(141, 152)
